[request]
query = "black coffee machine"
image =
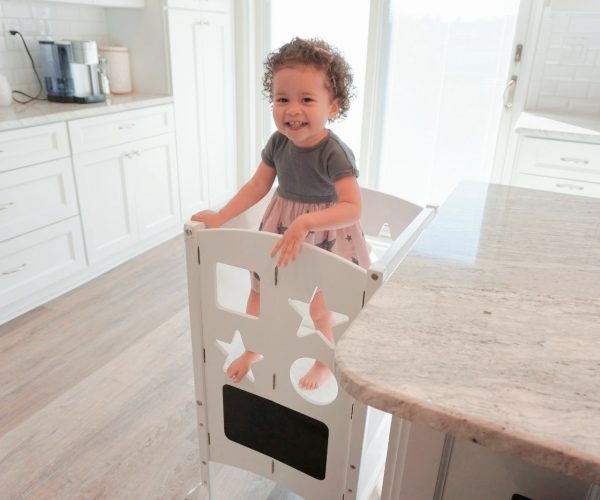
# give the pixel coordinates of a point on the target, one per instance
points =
(70, 70)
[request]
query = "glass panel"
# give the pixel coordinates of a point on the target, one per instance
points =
(447, 68)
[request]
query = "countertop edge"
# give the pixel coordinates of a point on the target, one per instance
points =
(563, 460)
(558, 127)
(43, 112)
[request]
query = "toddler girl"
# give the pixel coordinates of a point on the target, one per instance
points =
(317, 199)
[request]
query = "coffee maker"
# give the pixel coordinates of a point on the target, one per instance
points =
(70, 69)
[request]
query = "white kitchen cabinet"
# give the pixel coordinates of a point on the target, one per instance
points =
(127, 193)
(27, 146)
(39, 259)
(202, 69)
(33, 197)
(40, 231)
(559, 166)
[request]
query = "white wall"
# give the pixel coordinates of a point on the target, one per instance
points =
(566, 72)
(36, 21)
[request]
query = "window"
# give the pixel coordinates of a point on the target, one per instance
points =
(446, 70)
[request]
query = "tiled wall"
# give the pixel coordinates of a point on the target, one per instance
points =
(38, 20)
(566, 73)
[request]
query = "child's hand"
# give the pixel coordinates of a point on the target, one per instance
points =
(210, 218)
(290, 243)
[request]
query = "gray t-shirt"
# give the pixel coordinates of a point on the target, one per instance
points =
(308, 174)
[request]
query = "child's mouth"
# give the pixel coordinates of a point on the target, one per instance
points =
(295, 125)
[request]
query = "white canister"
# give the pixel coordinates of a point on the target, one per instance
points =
(118, 68)
(5, 91)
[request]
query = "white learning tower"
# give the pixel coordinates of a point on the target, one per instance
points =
(320, 443)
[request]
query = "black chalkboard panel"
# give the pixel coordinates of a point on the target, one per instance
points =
(279, 432)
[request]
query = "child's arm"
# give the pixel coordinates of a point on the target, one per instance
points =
(345, 212)
(252, 192)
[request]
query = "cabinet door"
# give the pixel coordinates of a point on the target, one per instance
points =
(155, 187)
(203, 88)
(39, 259)
(104, 184)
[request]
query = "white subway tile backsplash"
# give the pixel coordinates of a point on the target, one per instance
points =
(38, 20)
(583, 107)
(572, 89)
(566, 73)
(587, 23)
(594, 91)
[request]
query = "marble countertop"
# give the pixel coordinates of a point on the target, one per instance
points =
(489, 330)
(41, 112)
(559, 126)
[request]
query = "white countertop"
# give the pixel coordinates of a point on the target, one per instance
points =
(558, 126)
(489, 330)
(42, 112)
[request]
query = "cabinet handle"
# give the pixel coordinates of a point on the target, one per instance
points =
(131, 154)
(574, 160)
(569, 186)
(15, 270)
(6, 206)
(126, 126)
(203, 23)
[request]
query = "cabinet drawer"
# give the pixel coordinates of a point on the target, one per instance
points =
(561, 159)
(557, 185)
(33, 197)
(38, 259)
(99, 132)
(27, 146)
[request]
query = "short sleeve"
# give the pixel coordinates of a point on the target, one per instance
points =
(340, 162)
(268, 151)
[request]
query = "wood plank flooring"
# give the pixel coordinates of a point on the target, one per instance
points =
(96, 393)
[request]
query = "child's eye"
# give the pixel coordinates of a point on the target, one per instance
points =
(281, 100)
(307, 99)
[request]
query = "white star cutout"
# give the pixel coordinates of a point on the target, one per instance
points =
(234, 350)
(307, 327)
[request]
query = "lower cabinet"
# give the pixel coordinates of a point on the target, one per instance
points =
(127, 193)
(79, 197)
(559, 166)
(38, 259)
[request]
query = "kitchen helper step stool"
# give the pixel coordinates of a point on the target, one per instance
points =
(321, 444)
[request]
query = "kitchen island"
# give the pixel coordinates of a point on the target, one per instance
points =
(488, 333)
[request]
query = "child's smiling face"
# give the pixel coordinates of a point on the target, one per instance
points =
(302, 104)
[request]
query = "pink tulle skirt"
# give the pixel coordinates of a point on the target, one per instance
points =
(348, 242)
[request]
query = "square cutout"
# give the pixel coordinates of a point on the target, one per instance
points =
(233, 287)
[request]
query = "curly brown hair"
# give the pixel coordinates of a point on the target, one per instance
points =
(319, 54)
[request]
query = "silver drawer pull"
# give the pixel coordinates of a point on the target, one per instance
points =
(15, 270)
(6, 206)
(126, 126)
(570, 159)
(203, 23)
(569, 186)
(131, 154)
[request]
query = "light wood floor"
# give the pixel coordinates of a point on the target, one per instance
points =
(96, 393)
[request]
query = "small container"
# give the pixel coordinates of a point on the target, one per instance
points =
(103, 76)
(5, 91)
(118, 68)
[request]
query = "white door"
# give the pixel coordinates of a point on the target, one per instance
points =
(104, 183)
(156, 199)
(440, 99)
(201, 52)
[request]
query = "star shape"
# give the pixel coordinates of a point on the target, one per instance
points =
(307, 327)
(234, 350)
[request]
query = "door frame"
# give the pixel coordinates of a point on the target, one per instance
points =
(527, 31)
